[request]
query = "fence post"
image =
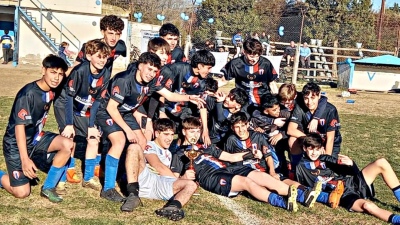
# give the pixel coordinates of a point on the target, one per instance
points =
(334, 60)
(296, 64)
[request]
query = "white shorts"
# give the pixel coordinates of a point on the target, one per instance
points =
(154, 186)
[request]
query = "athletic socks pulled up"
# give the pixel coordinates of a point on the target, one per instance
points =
(2, 173)
(53, 177)
(110, 172)
(89, 169)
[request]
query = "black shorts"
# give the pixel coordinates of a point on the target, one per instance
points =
(355, 188)
(39, 155)
(219, 182)
(108, 126)
(240, 170)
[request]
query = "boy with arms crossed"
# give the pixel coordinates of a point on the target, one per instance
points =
(26, 146)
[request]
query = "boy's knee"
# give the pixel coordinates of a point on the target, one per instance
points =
(382, 162)
(21, 192)
(369, 207)
(191, 185)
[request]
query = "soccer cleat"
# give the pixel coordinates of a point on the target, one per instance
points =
(171, 212)
(112, 195)
(60, 189)
(97, 171)
(292, 196)
(131, 202)
(336, 194)
(93, 183)
(51, 194)
(312, 194)
(72, 177)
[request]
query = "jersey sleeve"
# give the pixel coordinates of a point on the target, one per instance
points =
(213, 150)
(297, 115)
(22, 110)
(150, 149)
(119, 89)
(120, 48)
(177, 162)
(333, 120)
(230, 145)
(227, 71)
(321, 107)
(73, 83)
(81, 55)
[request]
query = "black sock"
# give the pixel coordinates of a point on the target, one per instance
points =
(133, 188)
(175, 203)
(396, 188)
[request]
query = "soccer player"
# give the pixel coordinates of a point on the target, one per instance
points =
(170, 33)
(219, 177)
(83, 87)
(189, 79)
(252, 73)
(125, 93)
(356, 185)
(328, 124)
(155, 177)
(26, 146)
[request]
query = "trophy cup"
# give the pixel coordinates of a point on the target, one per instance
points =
(192, 153)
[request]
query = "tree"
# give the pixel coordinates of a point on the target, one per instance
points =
(270, 13)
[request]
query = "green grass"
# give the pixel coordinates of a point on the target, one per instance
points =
(368, 131)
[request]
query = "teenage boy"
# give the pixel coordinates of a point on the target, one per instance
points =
(26, 146)
(170, 33)
(328, 124)
(220, 178)
(155, 177)
(222, 110)
(83, 87)
(356, 185)
(189, 79)
(252, 73)
(125, 93)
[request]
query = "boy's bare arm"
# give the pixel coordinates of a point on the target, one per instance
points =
(330, 136)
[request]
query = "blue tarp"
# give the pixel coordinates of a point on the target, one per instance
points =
(381, 60)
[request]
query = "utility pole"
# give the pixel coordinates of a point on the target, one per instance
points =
(381, 14)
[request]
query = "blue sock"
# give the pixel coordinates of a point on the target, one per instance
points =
(89, 169)
(67, 166)
(323, 197)
(277, 200)
(71, 163)
(2, 173)
(394, 218)
(295, 159)
(53, 177)
(110, 172)
(396, 192)
(64, 175)
(98, 159)
(300, 195)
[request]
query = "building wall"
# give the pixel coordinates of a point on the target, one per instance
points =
(78, 6)
(375, 78)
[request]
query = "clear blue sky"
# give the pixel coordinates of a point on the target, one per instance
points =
(376, 4)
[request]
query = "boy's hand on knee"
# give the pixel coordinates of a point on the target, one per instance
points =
(68, 132)
(29, 168)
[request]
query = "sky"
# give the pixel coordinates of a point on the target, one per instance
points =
(376, 4)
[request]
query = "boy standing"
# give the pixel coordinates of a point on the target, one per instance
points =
(342, 172)
(26, 146)
(170, 33)
(6, 45)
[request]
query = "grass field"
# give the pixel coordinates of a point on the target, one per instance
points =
(369, 130)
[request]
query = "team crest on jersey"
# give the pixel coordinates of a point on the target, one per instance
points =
(196, 85)
(159, 79)
(22, 114)
(16, 174)
(251, 76)
(109, 122)
(322, 122)
(147, 147)
(222, 182)
(168, 84)
(261, 71)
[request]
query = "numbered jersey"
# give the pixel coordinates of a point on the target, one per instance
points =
(255, 79)
(30, 108)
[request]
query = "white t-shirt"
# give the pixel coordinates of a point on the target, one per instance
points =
(164, 155)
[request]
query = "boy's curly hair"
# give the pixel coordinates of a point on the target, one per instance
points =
(112, 22)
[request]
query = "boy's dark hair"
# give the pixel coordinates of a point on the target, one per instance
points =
(269, 101)
(170, 29)
(158, 43)
(312, 88)
(94, 46)
(191, 123)
(313, 140)
(252, 47)
(211, 85)
(6, 31)
(64, 44)
(112, 22)
(53, 61)
(202, 57)
(239, 117)
(150, 58)
(239, 95)
(164, 124)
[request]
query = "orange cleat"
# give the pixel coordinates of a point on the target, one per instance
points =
(97, 171)
(336, 194)
(72, 177)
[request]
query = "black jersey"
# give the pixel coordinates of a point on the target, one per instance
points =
(176, 55)
(117, 50)
(85, 87)
(184, 82)
(30, 108)
(254, 141)
(266, 122)
(329, 121)
(326, 169)
(255, 79)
